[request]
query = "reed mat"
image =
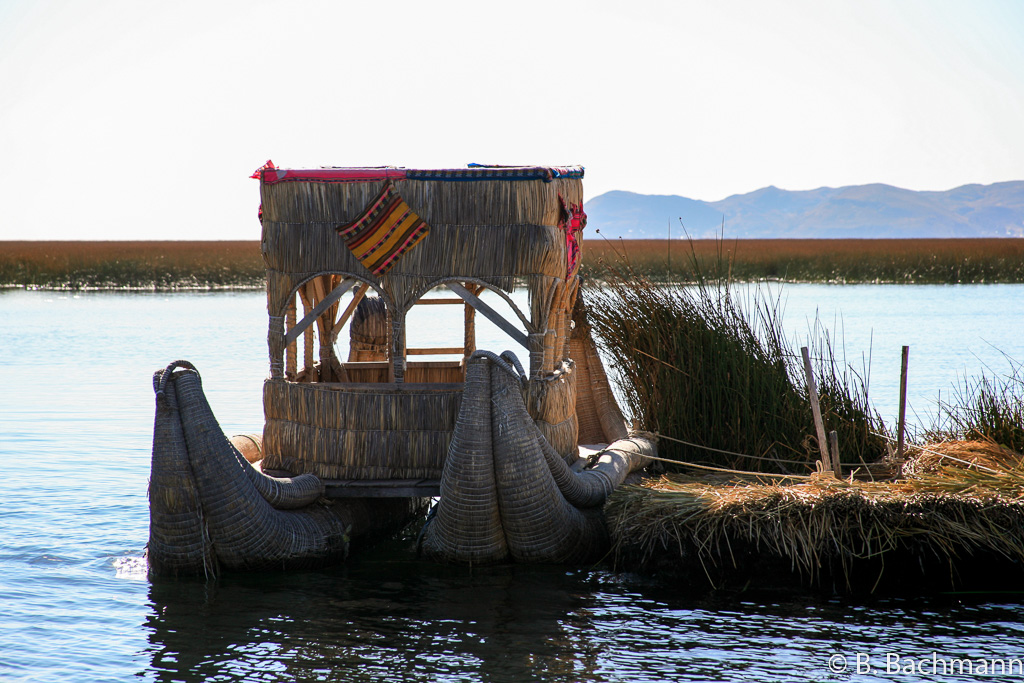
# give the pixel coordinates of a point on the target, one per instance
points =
(954, 516)
(132, 265)
(907, 261)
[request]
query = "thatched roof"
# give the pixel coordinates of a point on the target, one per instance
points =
(497, 225)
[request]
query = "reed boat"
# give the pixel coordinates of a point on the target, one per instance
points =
(519, 449)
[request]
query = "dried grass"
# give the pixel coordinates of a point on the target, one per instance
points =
(955, 500)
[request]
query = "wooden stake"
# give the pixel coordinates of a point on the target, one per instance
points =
(833, 450)
(812, 391)
(903, 403)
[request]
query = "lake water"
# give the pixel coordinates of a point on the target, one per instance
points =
(76, 409)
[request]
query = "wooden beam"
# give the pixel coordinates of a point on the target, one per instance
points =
(434, 351)
(382, 488)
(349, 310)
(324, 304)
(435, 302)
(491, 314)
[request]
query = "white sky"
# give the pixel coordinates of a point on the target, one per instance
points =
(142, 120)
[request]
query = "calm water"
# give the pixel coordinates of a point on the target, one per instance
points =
(76, 411)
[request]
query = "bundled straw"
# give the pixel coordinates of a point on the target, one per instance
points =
(962, 500)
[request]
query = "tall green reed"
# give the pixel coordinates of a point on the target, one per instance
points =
(697, 365)
(985, 407)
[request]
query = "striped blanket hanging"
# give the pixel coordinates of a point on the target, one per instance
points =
(386, 229)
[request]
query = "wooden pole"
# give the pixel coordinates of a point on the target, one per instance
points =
(812, 391)
(903, 403)
(833, 450)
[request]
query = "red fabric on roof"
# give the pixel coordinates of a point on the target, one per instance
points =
(329, 175)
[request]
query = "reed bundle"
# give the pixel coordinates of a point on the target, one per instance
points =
(551, 402)
(598, 414)
(958, 500)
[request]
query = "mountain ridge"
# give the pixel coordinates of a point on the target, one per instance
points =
(869, 211)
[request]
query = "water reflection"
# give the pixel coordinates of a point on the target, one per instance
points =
(389, 617)
(386, 617)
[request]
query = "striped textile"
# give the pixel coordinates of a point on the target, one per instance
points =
(478, 172)
(271, 174)
(387, 229)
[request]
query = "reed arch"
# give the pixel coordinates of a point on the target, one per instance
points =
(467, 293)
(322, 319)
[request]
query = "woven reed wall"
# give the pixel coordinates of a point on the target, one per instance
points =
(382, 431)
(506, 202)
(497, 231)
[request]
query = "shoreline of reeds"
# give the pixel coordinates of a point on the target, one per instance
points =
(833, 261)
(132, 265)
(197, 265)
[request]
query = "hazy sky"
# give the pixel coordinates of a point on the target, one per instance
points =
(142, 120)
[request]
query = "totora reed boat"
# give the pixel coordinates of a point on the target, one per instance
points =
(520, 456)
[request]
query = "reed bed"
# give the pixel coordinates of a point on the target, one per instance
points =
(958, 510)
(717, 378)
(819, 260)
(200, 264)
(132, 265)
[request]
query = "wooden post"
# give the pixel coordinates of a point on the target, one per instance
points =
(833, 450)
(291, 353)
(901, 428)
(469, 317)
(812, 391)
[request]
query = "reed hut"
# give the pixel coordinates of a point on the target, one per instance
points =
(399, 238)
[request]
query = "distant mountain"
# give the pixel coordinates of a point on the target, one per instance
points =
(860, 211)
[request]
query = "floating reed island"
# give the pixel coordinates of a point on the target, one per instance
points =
(752, 497)
(953, 519)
